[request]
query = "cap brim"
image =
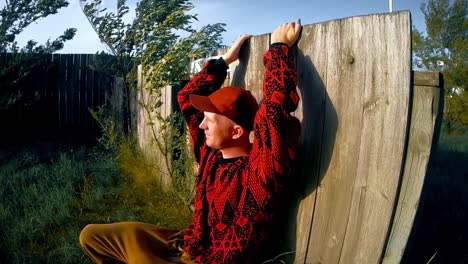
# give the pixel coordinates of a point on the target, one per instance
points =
(203, 103)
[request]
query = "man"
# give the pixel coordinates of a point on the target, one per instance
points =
(238, 183)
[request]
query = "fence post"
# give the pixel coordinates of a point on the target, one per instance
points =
(425, 121)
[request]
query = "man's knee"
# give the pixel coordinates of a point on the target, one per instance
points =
(87, 234)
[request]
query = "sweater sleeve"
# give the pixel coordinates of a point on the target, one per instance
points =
(207, 81)
(276, 131)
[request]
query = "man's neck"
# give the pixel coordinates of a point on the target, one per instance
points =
(234, 152)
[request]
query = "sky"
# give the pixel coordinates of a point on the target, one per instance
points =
(240, 16)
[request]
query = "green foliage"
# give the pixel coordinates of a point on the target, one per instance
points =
(445, 49)
(153, 40)
(174, 143)
(15, 16)
(110, 137)
(144, 195)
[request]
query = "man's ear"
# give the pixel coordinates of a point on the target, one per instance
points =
(237, 131)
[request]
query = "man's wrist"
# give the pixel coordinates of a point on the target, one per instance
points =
(220, 65)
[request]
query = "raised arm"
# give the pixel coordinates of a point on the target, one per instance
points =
(276, 132)
(207, 81)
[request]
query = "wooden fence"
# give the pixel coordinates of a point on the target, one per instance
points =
(64, 88)
(147, 126)
(368, 124)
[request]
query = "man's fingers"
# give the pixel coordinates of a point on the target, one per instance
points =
(243, 37)
(174, 242)
(297, 25)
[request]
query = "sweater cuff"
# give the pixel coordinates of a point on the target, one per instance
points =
(276, 44)
(217, 67)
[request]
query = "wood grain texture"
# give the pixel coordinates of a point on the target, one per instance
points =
(354, 77)
(148, 126)
(423, 118)
(314, 154)
(427, 78)
(366, 72)
(248, 71)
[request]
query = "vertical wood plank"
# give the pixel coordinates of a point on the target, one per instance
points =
(385, 103)
(248, 73)
(423, 118)
(89, 93)
(53, 91)
(48, 89)
(366, 75)
(69, 90)
(75, 84)
(61, 90)
(83, 92)
(82, 89)
(311, 111)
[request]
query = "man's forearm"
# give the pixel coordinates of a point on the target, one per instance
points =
(280, 78)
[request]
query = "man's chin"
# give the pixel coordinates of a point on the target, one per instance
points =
(211, 145)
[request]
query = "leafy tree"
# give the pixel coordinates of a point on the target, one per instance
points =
(445, 49)
(153, 40)
(15, 16)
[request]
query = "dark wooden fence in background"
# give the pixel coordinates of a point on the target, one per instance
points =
(64, 88)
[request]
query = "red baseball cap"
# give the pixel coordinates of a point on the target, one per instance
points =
(236, 103)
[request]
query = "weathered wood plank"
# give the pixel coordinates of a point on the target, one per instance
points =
(83, 62)
(148, 126)
(142, 121)
(165, 161)
(83, 115)
(248, 73)
(69, 90)
(385, 103)
(366, 74)
(75, 90)
(90, 123)
(423, 118)
(62, 91)
(311, 112)
(426, 78)
(339, 74)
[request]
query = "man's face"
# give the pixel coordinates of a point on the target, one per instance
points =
(218, 130)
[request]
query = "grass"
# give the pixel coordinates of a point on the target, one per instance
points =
(45, 200)
(44, 205)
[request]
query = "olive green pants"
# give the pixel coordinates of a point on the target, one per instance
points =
(130, 242)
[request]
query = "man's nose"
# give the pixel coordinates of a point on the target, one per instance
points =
(202, 124)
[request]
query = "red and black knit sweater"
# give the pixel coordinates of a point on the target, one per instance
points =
(235, 198)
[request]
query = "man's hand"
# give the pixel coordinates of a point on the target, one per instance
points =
(287, 33)
(177, 240)
(233, 53)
